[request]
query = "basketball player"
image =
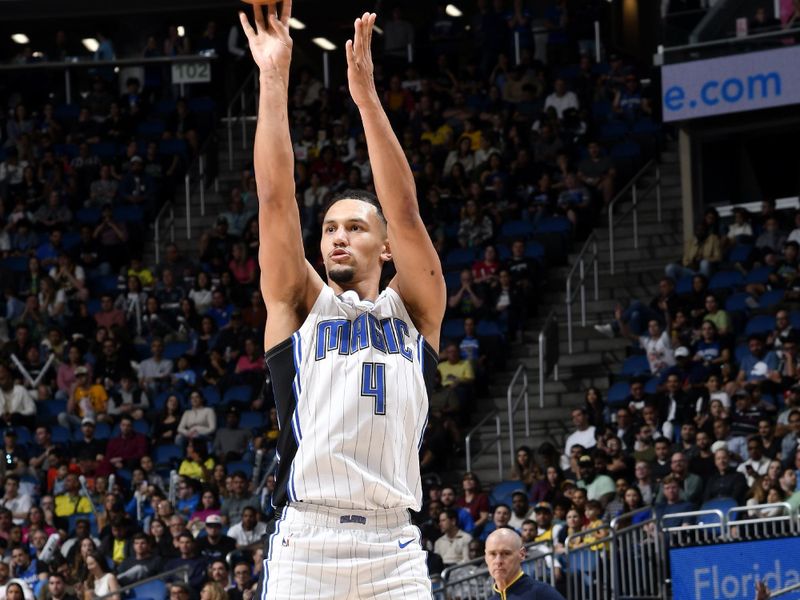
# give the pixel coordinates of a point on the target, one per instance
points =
(351, 365)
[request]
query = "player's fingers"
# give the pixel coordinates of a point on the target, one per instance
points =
(258, 13)
(370, 29)
(348, 52)
(364, 33)
(246, 27)
(357, 38)
(286, 11)
(272, 12)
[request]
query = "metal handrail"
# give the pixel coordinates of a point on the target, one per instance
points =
(732, 40)
(513, 405)
(497, 439)
(631, 187)
(90, 62)
(123, 590)
(580, 266)
(240, 99)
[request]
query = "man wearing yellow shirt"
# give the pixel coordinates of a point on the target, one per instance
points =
(458, 376)
(71, 502)
(88, 400)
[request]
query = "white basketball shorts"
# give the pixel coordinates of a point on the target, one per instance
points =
(343, 554)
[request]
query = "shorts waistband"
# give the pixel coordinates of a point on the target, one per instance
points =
(318, 515)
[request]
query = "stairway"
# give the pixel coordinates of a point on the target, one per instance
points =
(594, 357)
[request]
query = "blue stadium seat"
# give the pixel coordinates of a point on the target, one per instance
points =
(88, 216)
(740, 253)
(683, 285)
(102, 431)
(770, 298)
(173, 148)
(69, 151)
(737, 302)
(488, 328)
(150, 129)
(534, 250)
(501, 493)
(740, 352)
(453, 329)
(70, 239)
(15, 264)
(651, 387)
(601, 110)
(167, 454)
(59, 434)
(613, 130)
(175, 350)
(646, 126)
(452, 279)
(67, 112)
(239, 393)
(516, 229)
(554, 225)
(759, 275)
(151, 590)
(161, 399)
(251, 419)
(760, 325)
(104, 284)
(47, 412)
(618, 393)
(635, 365)
(721, 504)
(726, 280)
(211, 396)
(628, 149)
(128, 213)
(164, 108)
(105, 150)
(240, 465)
(459, 258)
(794, 319)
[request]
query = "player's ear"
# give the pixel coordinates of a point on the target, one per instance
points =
(386, 252)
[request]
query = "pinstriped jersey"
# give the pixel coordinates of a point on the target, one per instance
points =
(351, 389)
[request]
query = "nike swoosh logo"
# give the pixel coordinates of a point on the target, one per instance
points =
(402, 545)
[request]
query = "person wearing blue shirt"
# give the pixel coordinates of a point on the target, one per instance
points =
(504, 555)
(758, 363)
(26, 568)
(48, 252)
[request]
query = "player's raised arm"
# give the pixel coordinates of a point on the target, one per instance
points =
(419, 279)
(285, 274)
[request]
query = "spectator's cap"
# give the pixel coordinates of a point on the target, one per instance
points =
(87, 421)
(214, 520)
(519, 493)
(585, 459)
(681, 351)
(719, 445)
(136, 158)
(567, 483)
(543, 506)
(81, 371)
(10, 432)
(742, 393)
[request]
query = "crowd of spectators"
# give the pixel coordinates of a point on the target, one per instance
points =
(116, 373)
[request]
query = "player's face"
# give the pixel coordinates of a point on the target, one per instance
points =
(354, 245)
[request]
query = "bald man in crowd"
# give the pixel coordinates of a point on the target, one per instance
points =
(504, 556)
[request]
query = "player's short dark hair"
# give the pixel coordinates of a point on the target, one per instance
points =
(360, 195)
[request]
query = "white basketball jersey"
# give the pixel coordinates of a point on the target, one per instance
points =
(351, 390)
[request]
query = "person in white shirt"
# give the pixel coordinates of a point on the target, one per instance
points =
(561, 99)
(18, 504)
(155, 371)
(656, 344)
(198, 421)
(757, 464)
(17, 406)
(584, 435)
(453, 546)
(249, 530)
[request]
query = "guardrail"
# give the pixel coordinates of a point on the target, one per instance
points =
(513, 404)
(636, 197)
(497, 440)
(239, 103)
(120, 593)
(580, 289)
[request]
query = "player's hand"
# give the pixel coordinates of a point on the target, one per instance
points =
(270, 42)
(359, 62)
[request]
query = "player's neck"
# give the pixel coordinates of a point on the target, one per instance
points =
(366, 290)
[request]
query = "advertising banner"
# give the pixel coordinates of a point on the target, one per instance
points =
(730, 84)
(730, 571)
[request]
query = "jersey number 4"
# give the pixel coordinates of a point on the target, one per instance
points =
(373, 384)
